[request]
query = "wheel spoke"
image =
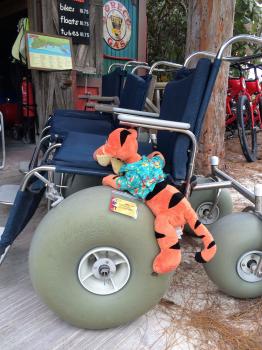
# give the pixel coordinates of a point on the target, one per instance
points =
(119, 261)
(113, 284)
(87, 276)
(97, 256)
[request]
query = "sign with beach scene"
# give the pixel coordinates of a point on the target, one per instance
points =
(49, 52)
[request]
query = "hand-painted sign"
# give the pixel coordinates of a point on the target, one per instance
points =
(73, 17)
(48, 52)
(117, 25)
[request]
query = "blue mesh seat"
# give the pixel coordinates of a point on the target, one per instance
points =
(181, 102)
(77, 154)
(112, 83)
(133, 96)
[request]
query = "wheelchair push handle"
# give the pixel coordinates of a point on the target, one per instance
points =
(134, 63)
(164, 63)
(235, 39)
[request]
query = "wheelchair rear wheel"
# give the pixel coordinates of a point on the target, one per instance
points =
(93, 267)
(239, 251)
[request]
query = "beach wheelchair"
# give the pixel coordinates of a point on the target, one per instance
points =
(93, 267)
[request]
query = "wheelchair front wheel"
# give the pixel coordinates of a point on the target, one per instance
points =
(203, 203)
(93, 267)
(239, 251)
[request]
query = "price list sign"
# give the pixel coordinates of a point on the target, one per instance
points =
(73, 16)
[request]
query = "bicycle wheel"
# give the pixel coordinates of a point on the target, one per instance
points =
(260, 112)
(246, 132)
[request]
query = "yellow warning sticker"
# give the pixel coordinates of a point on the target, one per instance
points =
(122, 206)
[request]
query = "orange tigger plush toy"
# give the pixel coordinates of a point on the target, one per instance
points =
(143, 177)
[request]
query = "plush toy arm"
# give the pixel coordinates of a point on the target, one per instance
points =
(117, 182)
(156, 154)
(157, 157)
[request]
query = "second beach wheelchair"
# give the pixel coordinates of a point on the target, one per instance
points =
(93, 267)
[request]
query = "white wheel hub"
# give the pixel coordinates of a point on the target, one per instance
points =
(207, 214)
(248, 266)
(104, 270)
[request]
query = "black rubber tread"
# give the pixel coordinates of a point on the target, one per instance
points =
(249, 151)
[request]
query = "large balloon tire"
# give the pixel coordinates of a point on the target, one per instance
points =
(199, 198)
(83, 222)
(77, 183)
(235, 235)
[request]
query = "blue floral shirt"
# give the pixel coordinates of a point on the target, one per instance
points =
(140, 178)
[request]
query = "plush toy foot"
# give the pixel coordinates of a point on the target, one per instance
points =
(167, 260)
(206, 254)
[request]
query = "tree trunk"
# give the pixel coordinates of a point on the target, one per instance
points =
(210, 23)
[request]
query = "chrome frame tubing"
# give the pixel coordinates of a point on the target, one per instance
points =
(41, 136)
(149, 68)
(117, 110)
(140, 66)
(212, 55)
(115, 65)
(134, 63)
(36, 172)
(156, 124)
(164, 63)
(235, 39)
(219, 55)
(34, 160)
(50, 149)
(226, 181)
(2, 130)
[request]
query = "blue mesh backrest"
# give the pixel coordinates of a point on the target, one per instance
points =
(112, 83)
(181, 102)
(135, 91)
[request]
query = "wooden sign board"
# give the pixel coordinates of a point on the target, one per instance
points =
(73, 19)
(49, 52)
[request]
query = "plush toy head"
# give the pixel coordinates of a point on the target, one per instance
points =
(121, 147)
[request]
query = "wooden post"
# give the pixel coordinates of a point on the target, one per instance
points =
(142, 31)
(209, 24)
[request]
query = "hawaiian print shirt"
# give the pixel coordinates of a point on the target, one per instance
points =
(140, 178)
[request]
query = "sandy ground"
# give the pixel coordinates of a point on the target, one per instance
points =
(246, 173)
(192, 315)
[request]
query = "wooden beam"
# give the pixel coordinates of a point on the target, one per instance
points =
(142, 31)
(9, 7)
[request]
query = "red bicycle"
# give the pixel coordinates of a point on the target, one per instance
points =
(244, 109)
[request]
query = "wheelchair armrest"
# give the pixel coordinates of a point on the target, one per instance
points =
(153, 123)
(114, 99)
(117, 110)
